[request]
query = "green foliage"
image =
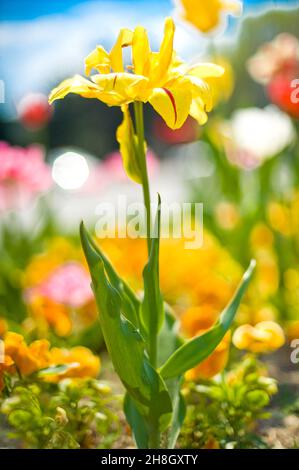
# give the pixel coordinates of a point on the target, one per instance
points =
(70, 415)
(131, 328)
(222, 412)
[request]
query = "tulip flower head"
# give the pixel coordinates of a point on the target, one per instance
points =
(207, 15)
(174, 89)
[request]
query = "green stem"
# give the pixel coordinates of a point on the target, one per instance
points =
(138, 109)
(154, 434)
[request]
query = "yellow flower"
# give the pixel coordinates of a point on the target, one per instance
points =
(46, 312)
(222, 87)
(280, 218)
(206, 15)
(174, 89)
(227, 215)
(267, 275)
(266, 336)
(293, 330)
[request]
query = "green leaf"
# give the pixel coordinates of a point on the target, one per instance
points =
(130, 302)
(168, 339)
(136, 422)
(196, 350)
(152, 311)
(124, 342)
(168, 342)
(178, 416)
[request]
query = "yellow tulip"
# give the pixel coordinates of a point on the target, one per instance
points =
(206, 15)
(173, 88)
(266, 336)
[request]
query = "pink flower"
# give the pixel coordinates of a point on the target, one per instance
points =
(34, 111)
(69, 285)
(111, 171)
(23, 173)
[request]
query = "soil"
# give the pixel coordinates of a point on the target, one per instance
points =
(281, 431)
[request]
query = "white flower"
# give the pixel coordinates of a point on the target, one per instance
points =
(254, 135)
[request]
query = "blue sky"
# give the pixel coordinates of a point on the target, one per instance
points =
(29, 9)
(43, 41)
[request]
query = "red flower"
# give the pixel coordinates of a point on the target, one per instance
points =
(187, 133)
(34, 111)
(282, 93)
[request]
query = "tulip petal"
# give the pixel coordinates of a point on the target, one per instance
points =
(162, 60)
(98, 59)
(141, 51)
(197, 111)
(200, 89)
(78, 85)
(124, 39)
(122, 87)
(172, 104)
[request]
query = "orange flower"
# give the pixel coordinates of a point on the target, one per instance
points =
(266, 336)
(28, 359)
(55, 315)
(83, 363)
(213, 284)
